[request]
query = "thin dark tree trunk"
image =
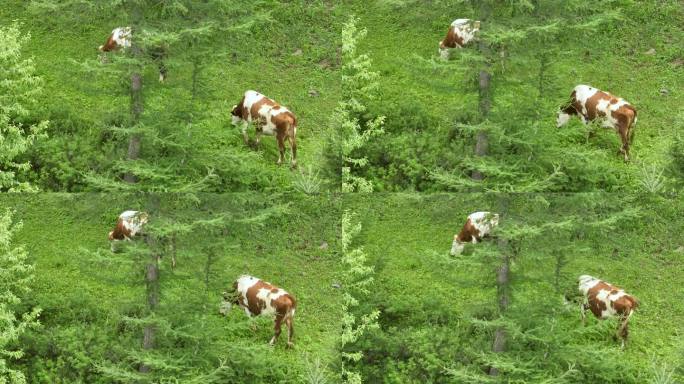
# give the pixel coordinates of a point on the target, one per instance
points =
(136, 110)
(151, 285)
(152, 292)
(485, 97)
(134, 141)
(503, 279)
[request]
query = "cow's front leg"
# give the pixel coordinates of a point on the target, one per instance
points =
(245, 137)
(623, 331)
(583, 315)
(276, 328)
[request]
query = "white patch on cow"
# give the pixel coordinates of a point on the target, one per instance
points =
(133, 221)
(582, 94)
(266, 111)
(122, 37)
(586, 283)
(563, 119)
(484, 222)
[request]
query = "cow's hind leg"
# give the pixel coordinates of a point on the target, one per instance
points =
(280, 137)
(290, 331)
(293, 147)
(276, 328)
(624, 136)
(623, 330)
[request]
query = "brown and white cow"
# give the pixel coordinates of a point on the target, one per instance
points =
(259, 298)
(606, 301)
(129, 224)
(271, 118)
(460, 33)
(591, 104)
(122, 37)
(477, 226)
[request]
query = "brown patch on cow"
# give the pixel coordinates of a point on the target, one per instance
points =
(254, 111)
(468, 233)
(254, 304)
(592, 103)
(274, 290)
(623, 305)
(284, 304)
(452, 39)
(120, 232)
(240, 110)
(597, 306)
(110, 45)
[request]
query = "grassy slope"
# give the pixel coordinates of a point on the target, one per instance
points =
(81, 293)
(408, 238)
(260, 59)
(401, 38)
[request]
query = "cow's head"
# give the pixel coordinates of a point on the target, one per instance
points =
(566, 111)
(236, 114)
(229, 298)
(143, 217)
(562, 119)
(585, 282)
(494, 219)
(457, 246)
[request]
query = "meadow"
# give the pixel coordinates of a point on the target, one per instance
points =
(438, 313)
(93, 301)
(285, 51)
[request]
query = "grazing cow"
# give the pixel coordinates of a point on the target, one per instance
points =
(271, 119)
(121, 38)
(257, 298)
(606, 301)
(590, 104)
(128, 225)
(477, 226)
(461, 31)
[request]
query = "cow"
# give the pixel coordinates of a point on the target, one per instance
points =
(592, 104)
(121, 39)
(259, 298)
(460, 33)
(606, 301)
(271, 119)
(477, 226)
(129, 224)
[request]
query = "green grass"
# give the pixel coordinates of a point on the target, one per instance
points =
(85, 289)
(429, 298)
(82, 105)
(423, 97)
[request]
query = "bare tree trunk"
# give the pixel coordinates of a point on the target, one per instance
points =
(504, 299)
(482, 144)
(151, 285)
(136, 110)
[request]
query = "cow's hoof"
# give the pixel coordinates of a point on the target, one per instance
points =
(290, 345)
(293, 165)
